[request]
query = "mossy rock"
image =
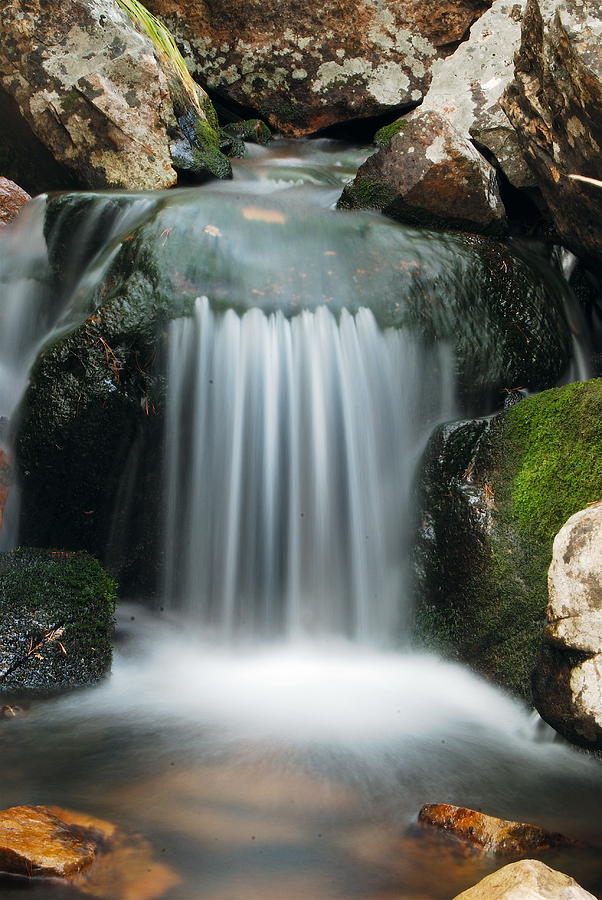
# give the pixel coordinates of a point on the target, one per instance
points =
(56, 613)
(494, 493)
(384, 134)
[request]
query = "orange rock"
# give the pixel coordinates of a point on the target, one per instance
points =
(489, 832)
(33, 841)
(12, 198)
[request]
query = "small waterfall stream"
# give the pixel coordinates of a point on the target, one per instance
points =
(272, 733)
(291, 449)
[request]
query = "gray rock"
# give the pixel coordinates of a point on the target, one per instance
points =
(528, 879)
(555, 106)
(429, 174)
(568, 679)
(466, 87)
(304, 67)
(91, 90)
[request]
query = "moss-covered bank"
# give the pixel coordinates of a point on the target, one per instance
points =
(56, 615)
(494, 494)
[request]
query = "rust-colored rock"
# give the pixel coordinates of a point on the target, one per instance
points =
(306, 66)
(92, 854)
(429, 175)
(489, 832)
(35, 842)
(12, 198)
(555, 105)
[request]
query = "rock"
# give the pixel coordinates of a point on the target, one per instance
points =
(91, 90)
(12, 198)
(467, 86)
(555, 105)
(494, 493)
(34, 842)
(92, 423)
(488, 832)
(304, 68)
(55, 620)
(528, 879)
(568, 678)
(428, 174)
(94, 856)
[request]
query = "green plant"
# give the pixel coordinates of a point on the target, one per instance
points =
(164, 43)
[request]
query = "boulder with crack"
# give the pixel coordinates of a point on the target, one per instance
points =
(304, 67)
(568, 678)
(428, 174)
(555, 105)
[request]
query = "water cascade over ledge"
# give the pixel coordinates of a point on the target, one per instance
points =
(257, 381)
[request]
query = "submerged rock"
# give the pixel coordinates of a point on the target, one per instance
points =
(488, 832)
(568, 677)
(92, 423)
(494, 494)
(555, 106)
(304, 68)
(56, 613)
(428, 174)
(12, 198)
(93, 856)
(91, 89)
(528, 879)
(36, 843)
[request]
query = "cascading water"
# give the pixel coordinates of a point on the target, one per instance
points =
(296, 769)
(291, 449)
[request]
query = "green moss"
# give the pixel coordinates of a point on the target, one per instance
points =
(248, 130)
(384, 134)
(555, 444)
(63, 605)
(365, 193)
(487, 541)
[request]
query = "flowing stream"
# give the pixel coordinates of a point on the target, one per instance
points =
(271, 730)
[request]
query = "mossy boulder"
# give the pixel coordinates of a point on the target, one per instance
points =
(494, 493)
(56, 614)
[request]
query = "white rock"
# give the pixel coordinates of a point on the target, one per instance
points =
(527, 879)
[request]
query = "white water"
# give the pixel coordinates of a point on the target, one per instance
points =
(291, 448)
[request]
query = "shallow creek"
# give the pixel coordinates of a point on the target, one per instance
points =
(294, 770)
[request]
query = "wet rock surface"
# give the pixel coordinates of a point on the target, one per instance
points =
(12, 198)
(55, 620)
(494, 494)
(528, 879)
(429, 175)
(35, 843)
(93, 856)
(555, 105)
(304, 68)
(489, 832)
(568, 678)
(467, 87)
(91, 90)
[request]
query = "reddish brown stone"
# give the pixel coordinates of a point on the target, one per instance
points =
(35, 842)
(306, 66)
(12, 198)
(489, 832)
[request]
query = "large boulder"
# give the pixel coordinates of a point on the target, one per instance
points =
(494, 494)
(91, 89)
(56, 617)
(428, 174)
(568, 678)
(12, 199)
(467, 87)
(92, 421)
(528, 879)
(306, 67)
(555, 105)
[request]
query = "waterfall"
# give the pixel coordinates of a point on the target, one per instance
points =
(291, 446)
